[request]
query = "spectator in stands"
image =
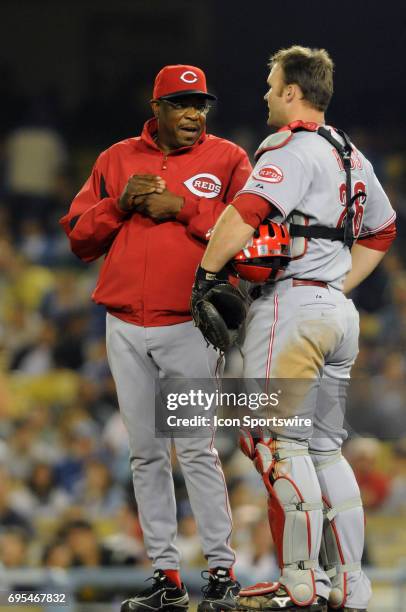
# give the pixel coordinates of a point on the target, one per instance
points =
(257, 559)
(19, 328)
(188, 541)
(387, 408)
(69, 348)
(126, 544)
(22, 449)
(35, 243)
(14, 548)
(97, 493)
(9, 516)
(64, 299)
(363, 455)
(57, 555)
(83, 542)
(41, 498)
(37, 357)
(115, 440)
(394, 315)
(396, 501)
(21, 281)
(80, 446)
(35, 156)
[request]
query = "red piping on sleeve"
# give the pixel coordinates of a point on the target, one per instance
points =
(380, 241)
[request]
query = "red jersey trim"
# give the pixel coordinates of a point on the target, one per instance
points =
(380, 241)
(378, 229)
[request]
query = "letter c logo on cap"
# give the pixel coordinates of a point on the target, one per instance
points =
(189, 77)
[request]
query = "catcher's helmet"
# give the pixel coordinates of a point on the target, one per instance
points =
(266, 255)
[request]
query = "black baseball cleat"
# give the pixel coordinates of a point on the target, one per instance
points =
(279, 600)
(162, 595)
(220, 593)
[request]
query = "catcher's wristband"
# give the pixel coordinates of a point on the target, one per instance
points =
(205, 275)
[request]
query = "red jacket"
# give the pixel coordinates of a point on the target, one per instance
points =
(149, 266)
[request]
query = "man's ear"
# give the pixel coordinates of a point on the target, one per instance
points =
(290, 92)
(294, 92)
(155, 107)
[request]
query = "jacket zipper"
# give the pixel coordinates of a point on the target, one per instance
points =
(164, 162)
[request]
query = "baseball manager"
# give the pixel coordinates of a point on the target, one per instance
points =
(146, 209)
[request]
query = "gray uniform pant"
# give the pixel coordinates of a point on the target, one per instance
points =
(311, 332)
(138, 357)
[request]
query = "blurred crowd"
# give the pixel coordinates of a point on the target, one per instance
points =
(65, 492)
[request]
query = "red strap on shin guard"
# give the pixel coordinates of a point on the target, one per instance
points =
(276, 513)
(249, 438)
(247, 444)
(276, 518)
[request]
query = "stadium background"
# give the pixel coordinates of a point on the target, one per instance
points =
(74, 78)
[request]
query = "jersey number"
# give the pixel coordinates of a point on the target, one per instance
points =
(359, 206)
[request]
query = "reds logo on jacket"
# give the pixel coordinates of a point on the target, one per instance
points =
(205, 185)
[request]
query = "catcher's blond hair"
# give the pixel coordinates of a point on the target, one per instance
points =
(311, 69)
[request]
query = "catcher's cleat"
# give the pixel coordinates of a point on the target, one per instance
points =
(271, 596)
(220, 593)
(162, 595)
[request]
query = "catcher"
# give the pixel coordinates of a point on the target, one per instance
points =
(304, 328)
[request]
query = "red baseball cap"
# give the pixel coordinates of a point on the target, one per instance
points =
(180, 80)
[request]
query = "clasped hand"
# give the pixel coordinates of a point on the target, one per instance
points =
(147, 194)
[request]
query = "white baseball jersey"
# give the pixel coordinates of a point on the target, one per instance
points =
(306, 175)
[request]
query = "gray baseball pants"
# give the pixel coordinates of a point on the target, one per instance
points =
(138, 358)
(311, 333)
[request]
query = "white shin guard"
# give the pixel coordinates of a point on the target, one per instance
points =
(295, 510)
(343, 530)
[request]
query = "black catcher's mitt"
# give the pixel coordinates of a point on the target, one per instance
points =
(218, 309)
